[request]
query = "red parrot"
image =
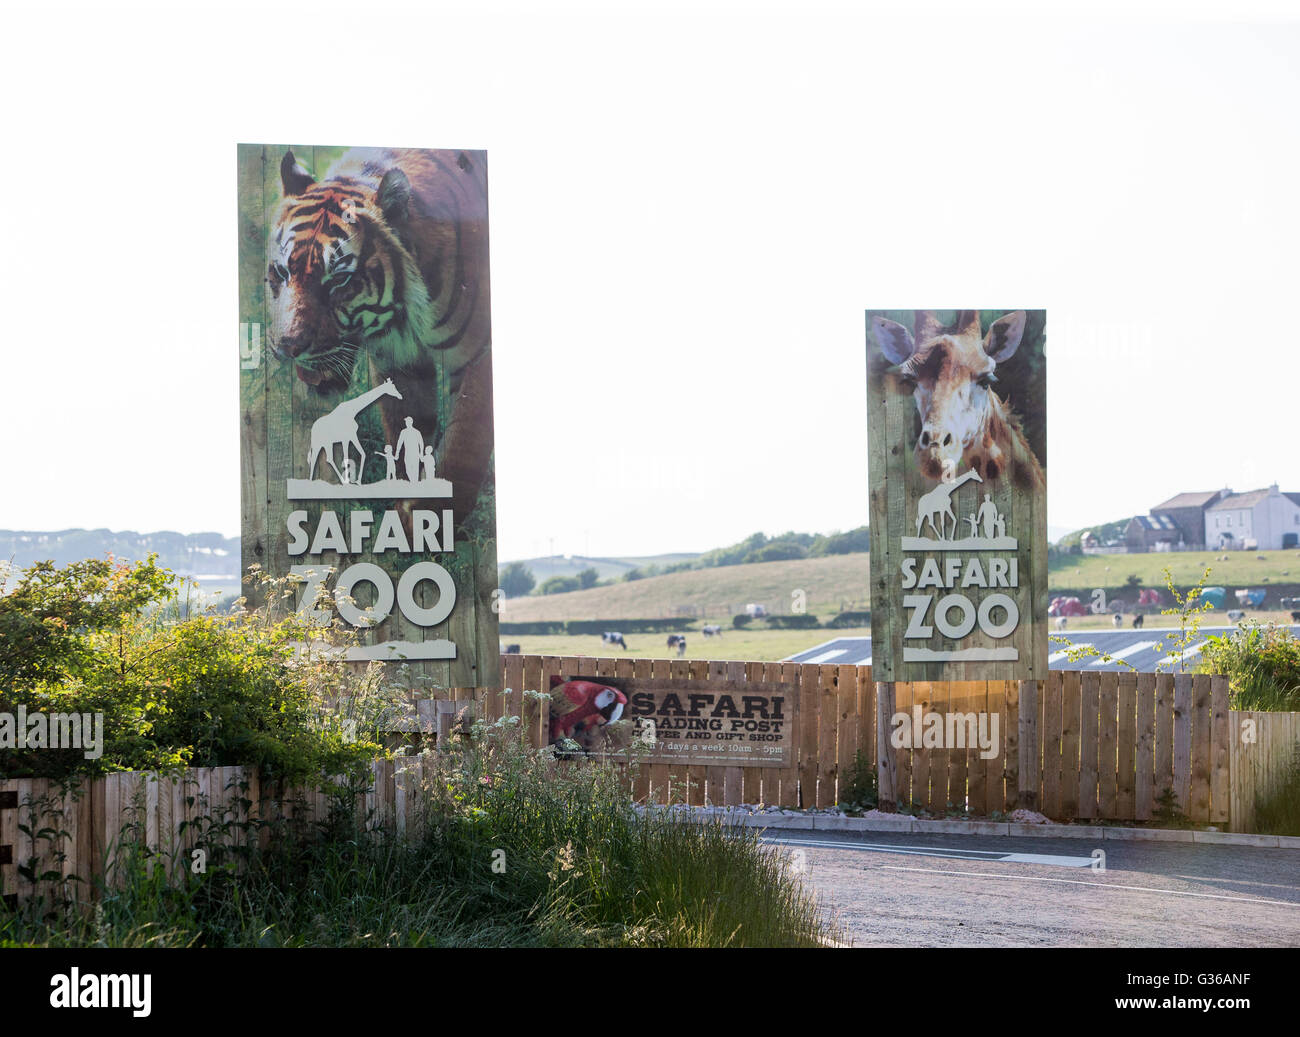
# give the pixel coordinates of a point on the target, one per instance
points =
(596, 704)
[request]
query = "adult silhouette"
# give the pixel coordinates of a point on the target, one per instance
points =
(410, 445)
(988, 516)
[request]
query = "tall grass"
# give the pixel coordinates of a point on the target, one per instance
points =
(1278, 812)
(1262, 665)
(513, 849)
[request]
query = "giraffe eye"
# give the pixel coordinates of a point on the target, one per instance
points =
(985, 381)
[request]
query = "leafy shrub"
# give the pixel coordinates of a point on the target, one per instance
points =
(559, 585)
(851, 619)
(1262, 665)
(741, 620)
(535, 628)
(206, 691)
(627, 626)
(777, 551)
(516, 580)
(862, 792)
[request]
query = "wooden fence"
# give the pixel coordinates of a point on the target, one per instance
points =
(1079, 745)
(1265, 749)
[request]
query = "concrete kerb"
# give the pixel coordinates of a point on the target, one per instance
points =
(827, 822)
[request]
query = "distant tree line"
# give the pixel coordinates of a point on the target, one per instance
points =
(517, 579)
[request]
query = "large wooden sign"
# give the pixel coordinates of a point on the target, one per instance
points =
(366, 396)
(957, 438)
(711, 723)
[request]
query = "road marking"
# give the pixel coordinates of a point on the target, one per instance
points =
(1056, 657)
(1182, 656)
(834, 653)
(1124, 653)
(995, 856)
(1101, 885)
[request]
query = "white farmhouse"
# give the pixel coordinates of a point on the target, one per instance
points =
(1266, 519)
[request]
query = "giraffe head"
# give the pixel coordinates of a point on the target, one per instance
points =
(949, 371)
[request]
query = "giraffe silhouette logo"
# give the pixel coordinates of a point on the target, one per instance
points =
(936, 514)
(339, 431)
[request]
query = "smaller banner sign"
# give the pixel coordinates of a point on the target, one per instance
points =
(701, 723)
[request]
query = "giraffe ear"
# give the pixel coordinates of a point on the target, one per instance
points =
(1004, 335)
(895, 340)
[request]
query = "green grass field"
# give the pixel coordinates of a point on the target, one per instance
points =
(744, 645)
(1186, 567)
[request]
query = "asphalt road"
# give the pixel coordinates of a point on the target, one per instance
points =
(889, 889)
(1135, 647)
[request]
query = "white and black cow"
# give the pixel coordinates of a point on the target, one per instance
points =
(711, 630)
(613, 637)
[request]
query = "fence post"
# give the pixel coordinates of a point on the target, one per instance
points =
(886, 756)
(8, 801)
(1028, 748)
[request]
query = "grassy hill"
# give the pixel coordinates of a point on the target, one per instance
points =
(842, 579)
(608, 568)
(719, 593)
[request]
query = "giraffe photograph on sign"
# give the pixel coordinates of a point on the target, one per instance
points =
(957, 439)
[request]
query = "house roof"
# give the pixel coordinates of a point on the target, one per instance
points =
(1189, 500)
(1240, 500)
(1156, 523)
(1294, 496)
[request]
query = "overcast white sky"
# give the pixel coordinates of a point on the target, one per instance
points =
(689, 214)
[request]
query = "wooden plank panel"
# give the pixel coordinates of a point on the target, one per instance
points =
(846, 729)
(662, 775)
(903, 695)
(827, 723)
(1199, 778)
(733, 778)
(809, 726)
(867, 713)
(1163, 778)
(1126, 747)
(1183, 740)
(922, 695)
(682, 780)
(1144, 758)
(789, 788)
(995, 768)
(1220, 739)
(1030, 752)
(957, 773)
(886, 756)
(976, 764)
(1090, 736)
(1011, 748)
(1107, 738)
(714, 777)
(752, 779)
(1050, 735)
(1071, 699)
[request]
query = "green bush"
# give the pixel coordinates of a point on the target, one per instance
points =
(1262, 665)
(559, 585)
(627, 626)
(799, 621)
(205, 691)
(535, 628)
(851, 619)
(741, 620)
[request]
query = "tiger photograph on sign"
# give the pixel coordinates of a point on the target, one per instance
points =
(957, 446)
(366, 390)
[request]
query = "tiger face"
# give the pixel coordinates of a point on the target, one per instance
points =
(341, 276)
